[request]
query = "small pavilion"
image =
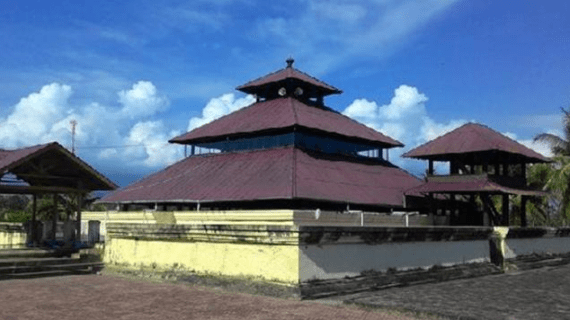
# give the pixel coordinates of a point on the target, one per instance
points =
(49, 169)
(482, 163)
(288, 150)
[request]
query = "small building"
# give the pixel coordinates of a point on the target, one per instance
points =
(288, 150)
(482, 163)
(50, 169)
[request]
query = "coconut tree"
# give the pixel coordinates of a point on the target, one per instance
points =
(559, 146)
(557, 175)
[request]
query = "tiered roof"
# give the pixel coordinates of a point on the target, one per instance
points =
(476, 141)
(476, 144)
(289, 102)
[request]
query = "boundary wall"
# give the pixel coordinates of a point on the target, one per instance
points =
(291, 254)
(248, 217)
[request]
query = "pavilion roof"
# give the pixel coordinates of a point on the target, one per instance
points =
(287, 73)
(472, 139)
(49, 167)
(476, 183)
(284, 113)
(285, 173)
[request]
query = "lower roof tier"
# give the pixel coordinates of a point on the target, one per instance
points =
(475, 183)
(284, 173)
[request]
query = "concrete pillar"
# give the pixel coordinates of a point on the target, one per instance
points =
(498, 246)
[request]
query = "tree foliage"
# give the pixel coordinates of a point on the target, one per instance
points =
(554, 177)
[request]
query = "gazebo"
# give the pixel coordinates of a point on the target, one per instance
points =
(482, 163)
(49, 169)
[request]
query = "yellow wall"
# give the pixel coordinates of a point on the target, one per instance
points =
(265, 217)
(10, 239)
(279, 263)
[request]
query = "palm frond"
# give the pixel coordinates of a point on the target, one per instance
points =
(557, 144)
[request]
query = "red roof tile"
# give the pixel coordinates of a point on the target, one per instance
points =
(287, 73)
(472, 183)
(470, 138)
(62, 164)
(275, 174)
(284, 113)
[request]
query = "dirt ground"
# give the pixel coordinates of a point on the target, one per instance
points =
(115, 297)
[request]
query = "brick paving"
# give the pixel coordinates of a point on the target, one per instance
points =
(534, 294)
(112, 297)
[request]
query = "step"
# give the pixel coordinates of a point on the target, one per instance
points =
(34, 261)
(26, 253)
(40, 274)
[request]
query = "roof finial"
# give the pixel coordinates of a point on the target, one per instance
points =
(290, 62)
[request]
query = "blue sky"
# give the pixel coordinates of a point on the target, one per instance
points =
(136, 73)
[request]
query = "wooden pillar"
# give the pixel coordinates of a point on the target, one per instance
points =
(523, 211)
(54, 218)
(34, 231)
(430, 167)
(78, 227)
(506, 221)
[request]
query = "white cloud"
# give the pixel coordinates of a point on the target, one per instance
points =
(361, 108)
(154, 149)
(431, 129)
(407, 101)
(540, 147)
(405, 119)
(218, 107)
(142, 100)
(327, 34)
(32, 118)
(45, 116)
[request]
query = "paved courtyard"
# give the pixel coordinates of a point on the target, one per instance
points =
(534, 294)
(112, 297)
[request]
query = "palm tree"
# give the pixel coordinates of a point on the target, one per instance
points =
(557, 177)
(559, 146)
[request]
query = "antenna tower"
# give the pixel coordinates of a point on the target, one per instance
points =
(73, 125)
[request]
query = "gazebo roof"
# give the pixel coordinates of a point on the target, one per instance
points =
(283, 114)
(285, 173)
(49, 168)
(471, 184)
(287, 74)
(477, 142)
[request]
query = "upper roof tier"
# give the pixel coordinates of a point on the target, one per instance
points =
(284, 114)
(475, 144)
(287, 100)
(290, 79)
